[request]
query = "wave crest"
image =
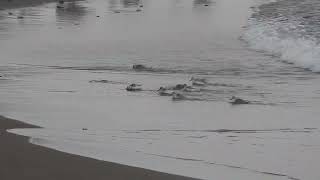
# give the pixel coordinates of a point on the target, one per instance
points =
(283, 36)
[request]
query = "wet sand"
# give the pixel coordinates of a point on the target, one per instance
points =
(20, 159)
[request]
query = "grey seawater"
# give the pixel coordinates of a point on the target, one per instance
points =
(66, 70)
(289, 29)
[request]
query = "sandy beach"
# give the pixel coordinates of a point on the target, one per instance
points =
(21, 160)
(221, 90)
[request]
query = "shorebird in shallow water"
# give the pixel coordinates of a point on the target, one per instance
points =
(134, 87)
(238, 101)
(198, 81)
(191, 89)
(164, 92)
(177, 96)
(179, 87)
(139, 67)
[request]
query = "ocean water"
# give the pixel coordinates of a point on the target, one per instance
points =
(67, 70)
(289, 29)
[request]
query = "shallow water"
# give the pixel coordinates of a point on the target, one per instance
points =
(67, 69)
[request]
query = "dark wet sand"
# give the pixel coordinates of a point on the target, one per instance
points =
(21, 160)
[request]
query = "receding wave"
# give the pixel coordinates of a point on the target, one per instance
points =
(158, 70)
(288, 29)
(151, 69)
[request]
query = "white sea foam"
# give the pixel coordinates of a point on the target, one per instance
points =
(284, 39)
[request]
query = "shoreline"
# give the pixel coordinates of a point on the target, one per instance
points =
(19, 159)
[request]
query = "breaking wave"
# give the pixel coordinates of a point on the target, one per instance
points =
(288, 29)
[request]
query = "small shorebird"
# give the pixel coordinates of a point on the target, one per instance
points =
(177, 96)
(198, 81)
(238, 101)
(134, 87)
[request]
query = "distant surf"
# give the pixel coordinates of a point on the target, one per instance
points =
(288, 29)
